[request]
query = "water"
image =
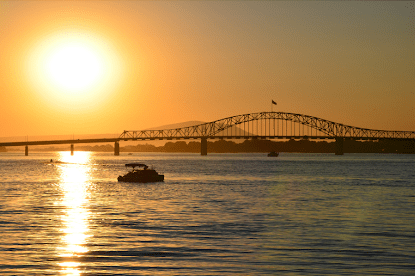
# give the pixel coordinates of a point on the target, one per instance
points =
(221, 214)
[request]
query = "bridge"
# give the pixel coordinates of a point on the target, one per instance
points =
(261, 125)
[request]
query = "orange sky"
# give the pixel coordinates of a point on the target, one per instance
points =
(146, 64)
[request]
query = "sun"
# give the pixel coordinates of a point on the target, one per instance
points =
(74, 67)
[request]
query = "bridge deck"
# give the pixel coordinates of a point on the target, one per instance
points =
(55, 142)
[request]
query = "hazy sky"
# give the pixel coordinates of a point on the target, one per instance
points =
(94, 67)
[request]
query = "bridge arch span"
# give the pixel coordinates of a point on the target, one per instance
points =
(269, 125)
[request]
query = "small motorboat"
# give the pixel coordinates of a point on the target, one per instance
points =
(143, 174)
(273, 154)
(54, 162)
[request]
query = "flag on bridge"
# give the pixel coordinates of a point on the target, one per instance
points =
(272, 103)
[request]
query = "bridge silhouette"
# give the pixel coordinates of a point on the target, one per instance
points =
(262, 125)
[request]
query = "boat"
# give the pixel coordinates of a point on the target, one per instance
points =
(273, 154)
(55, 162)
(143, 174)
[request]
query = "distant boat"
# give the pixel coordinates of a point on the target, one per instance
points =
(273, 154)
(143, 175)
(55, 162)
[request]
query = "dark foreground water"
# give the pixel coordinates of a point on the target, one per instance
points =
(221, 214)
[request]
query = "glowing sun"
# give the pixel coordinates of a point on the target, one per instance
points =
(74, 67)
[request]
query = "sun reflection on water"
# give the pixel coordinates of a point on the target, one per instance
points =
(74, 182)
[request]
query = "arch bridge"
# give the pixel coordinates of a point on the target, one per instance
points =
(262, 125)
(269, 125)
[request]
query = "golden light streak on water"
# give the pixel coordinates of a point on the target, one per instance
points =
(75, 183)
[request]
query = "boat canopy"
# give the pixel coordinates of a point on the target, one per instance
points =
(133, 165)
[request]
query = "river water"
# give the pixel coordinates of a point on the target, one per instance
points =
(221, 214)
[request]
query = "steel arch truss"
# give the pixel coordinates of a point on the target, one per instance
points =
(268, 125)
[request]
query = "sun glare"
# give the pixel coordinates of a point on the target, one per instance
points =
(74, 67)
(75, 185)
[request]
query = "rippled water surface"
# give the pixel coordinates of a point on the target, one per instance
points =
(221, 214)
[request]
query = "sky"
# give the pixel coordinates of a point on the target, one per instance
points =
(95, 67)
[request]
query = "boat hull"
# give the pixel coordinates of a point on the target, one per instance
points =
(156, 178)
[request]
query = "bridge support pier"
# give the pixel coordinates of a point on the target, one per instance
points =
(203, 146)
(72, 149)
(117, 148)
(26, 150)
(339, 146)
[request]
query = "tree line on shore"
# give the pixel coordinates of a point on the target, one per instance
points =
(258, 145)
